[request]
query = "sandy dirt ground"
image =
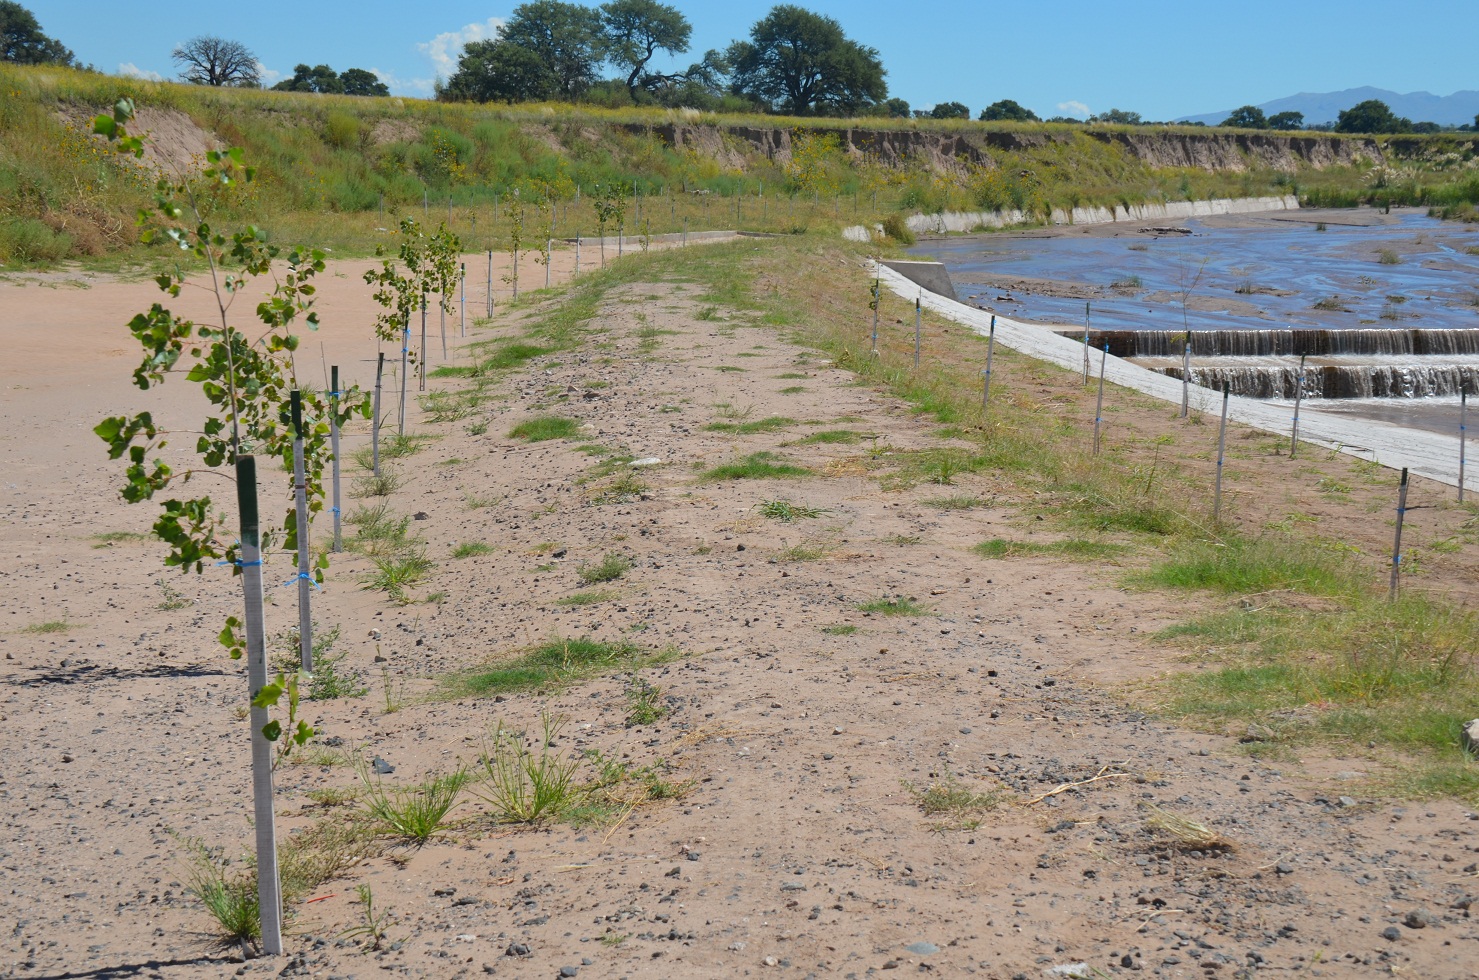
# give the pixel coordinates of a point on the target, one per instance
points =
(801, 729)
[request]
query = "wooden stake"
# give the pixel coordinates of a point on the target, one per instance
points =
(1298, 396)
(1397, 542)
(269, 890)
(577, 253)
(490, 283)
(1086, 343)
(990, 349)
(1221, 454)
(462, 295)
(1099, 406)
(421, 357)
(918, 301)
(334, 447)
(549, 254)
(405, 369)
(305, 581)
(1186, 379)
(1463, 439)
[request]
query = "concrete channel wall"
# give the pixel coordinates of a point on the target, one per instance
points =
(965, 221)
(1427, 454)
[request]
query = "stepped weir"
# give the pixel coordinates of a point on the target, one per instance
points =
(1360, 363)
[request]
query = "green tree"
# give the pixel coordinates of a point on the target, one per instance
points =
(209, 60)
(897, 108)
(950, 110)
(358, 81)
(22, 42)
(801, 63)
(1246, 117)
(1008, 109)
(636, 30)
(1286, 120)
(320, 78)
(499, 71)
(1371, 116)
(566, 37)
(1119, 117)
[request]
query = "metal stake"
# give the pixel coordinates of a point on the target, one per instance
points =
(1298, 396)
(1397, 543)
(1221, 454)
(1099, 406)
(990, 349)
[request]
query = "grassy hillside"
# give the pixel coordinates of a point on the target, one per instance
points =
(334, 169)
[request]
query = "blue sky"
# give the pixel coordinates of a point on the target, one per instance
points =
(1161, 58)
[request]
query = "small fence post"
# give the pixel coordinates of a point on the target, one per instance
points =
(1397, 542)
(986, 379)
(490, 283)
(300, 492)
(1221, 454)
(577, 253)
(462, 295)
(549, 254)
(1298, 397)
(375, 422)
(1099, 406)
(421, 356)
(918, 301)
(1463, 438)
(269, 889)
(1086, 343)
(334, 447)
(877, 302)
(405, 369)
(1186, 379)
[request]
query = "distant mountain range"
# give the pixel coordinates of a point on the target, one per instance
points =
(1325, 107)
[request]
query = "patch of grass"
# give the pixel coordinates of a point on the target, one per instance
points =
(51, 626)
(793, 376)
(786, 512)
(756, 466)
(938, 466)
(228, 895)
(1184, 833)
(393, 574)
(1072, 548)
(544, 428)
(832, 437)
(450, 406)
(526, 780)
(392, 446)
(370, 485)
(1387, 256)
(793, 390)
(1331, 304)
(589, 597)
(840, 629)
(378, 531)
(109, 538)
(644, 703)
(413, 814)
(469, 549)
(171, 597)
(901, 540)
(512, 354)
(729, 369)
(476, 501)
(965, 501)
(957, 804)
(770, 424)
(892, 606)
(1247, 566)
(554, 663)
(1398, 674)
(478, 428)
(610, 568)
(624, 488)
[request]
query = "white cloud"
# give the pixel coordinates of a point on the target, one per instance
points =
(130, 70)
(404, 86)
(444, 49)
(268, 76)
(1075, 109)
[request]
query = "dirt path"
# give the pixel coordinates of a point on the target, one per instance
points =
(806, 731)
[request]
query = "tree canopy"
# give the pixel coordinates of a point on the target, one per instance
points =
(635, 30)
(322, 78)
(1371, 116)
(22, 41)
(210, 60)
(499, 71)
(1247, 117)
(1286, 120)
(566, 37)
(800, 62)
(1007, 109)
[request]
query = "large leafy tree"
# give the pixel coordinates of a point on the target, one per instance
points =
(358, 81)
(1009, 110)
(210, 60)
(566, 37)
(22, 42)
(636, 30)
(800, 62)
(499, 71)
(1371, 116)
(1246, 117)
(320, 78)
(1286, 120)
(950, 110)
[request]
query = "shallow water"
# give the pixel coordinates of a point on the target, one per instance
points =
(1254, 273)
(1269, 275)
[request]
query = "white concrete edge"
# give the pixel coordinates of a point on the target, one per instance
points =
(1423, 453)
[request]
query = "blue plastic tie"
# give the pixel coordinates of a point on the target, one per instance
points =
(242, 564)
(301, 576)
